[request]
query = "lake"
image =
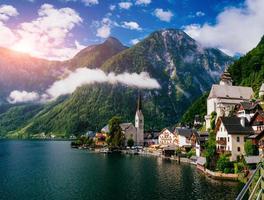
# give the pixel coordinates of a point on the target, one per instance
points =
(52, 170)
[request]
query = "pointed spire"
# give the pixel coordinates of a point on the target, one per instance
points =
(139, 101)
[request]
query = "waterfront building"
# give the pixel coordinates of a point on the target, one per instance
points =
(224, 96)
(184, 138)
(231, 134)
(151, 138)
(167, 137)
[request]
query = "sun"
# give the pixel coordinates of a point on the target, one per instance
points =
(23, 47)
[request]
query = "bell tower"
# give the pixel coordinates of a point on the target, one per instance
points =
(226, 78)
(139, 122)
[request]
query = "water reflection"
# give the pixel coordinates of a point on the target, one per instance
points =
(52, 170)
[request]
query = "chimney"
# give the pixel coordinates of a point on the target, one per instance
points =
(243, 121)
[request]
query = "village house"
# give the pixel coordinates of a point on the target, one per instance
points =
(224, 96)
(151, 138)
(167, 137)
(231, 134)
(257, 122)
(184, 138)
(247, 109)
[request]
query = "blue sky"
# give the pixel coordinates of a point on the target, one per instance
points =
(91, 21)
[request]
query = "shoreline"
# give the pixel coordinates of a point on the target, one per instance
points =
(216, 175)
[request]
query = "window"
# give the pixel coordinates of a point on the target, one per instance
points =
(238, 139)
(228, 139)
(245, 139)
(238, 149)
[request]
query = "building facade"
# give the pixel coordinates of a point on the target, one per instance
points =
(231, 134)
(224, 96)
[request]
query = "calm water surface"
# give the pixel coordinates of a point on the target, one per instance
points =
(52, 170)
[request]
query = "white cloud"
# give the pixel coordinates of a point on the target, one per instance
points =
(237, 30)
(200, 14)
(125, 5)
(44, 36)
(84, 76)
(163, 15)
(143, 2)
(7, 11)
(131, 25)
(134, 41)
(7, 37)
(112, 7)
(104, 31)
(86, 2)
(22, 96)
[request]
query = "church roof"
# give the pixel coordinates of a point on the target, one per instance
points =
(123, 126)
(233, 92)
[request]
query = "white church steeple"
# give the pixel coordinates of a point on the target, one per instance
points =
(139, 122)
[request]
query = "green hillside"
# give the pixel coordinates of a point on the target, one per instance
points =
(249, 69)
(197, 108)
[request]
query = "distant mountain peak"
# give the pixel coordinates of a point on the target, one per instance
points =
(113, 41)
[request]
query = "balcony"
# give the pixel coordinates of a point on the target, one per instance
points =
(221, 142)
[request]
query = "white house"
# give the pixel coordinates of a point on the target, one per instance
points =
(167, 137)
(180, 137)
(231, 134)
(224, 96)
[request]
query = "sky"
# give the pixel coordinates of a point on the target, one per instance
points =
(58, 29)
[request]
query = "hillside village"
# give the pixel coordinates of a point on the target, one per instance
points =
(232, 130)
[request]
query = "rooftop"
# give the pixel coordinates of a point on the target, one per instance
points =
(233, 126)
(234, 92)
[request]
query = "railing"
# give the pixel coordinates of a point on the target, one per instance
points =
(254, 188)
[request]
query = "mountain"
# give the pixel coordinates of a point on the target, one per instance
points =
(94, 56)
(249, 69)
(20, 71)
(183, 68)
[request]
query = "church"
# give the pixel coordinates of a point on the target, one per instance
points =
(136, 132)
(224, 96)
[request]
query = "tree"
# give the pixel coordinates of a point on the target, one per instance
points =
(116, 137)
(250, 149)
(212, 120)
(223, 163)
(130, 142)
(210, 151)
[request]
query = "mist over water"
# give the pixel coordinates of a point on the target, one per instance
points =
(52, 170)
